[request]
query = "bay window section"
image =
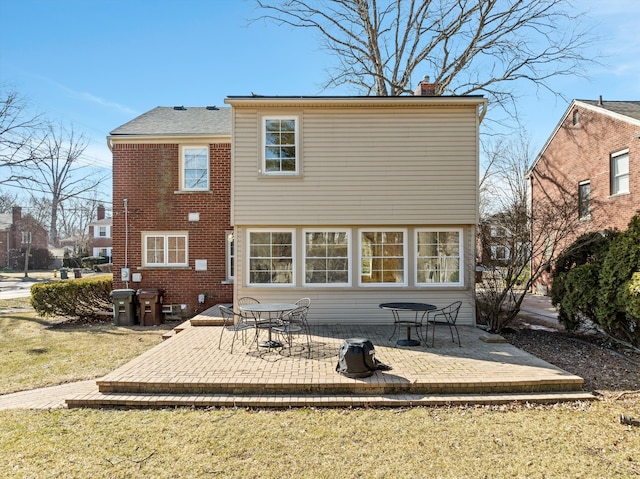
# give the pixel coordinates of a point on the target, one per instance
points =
(165, 249)
(439, 257)
(271, 257)
(382, 258)
(326, 258)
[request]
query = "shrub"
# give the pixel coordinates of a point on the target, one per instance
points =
(621, 261)
(632, 297)
(77, 299)
(576, 278)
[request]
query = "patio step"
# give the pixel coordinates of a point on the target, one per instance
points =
(142, 400)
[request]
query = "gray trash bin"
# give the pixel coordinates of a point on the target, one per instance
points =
(124, 307)
(63, 273)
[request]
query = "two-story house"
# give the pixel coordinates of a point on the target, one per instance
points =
(17, 233)
(356, 201)
(350, 201)
(100, 241)
(591, 161)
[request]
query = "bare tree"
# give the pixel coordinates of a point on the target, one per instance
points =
(468, 46)
(513, 254)
(58, 172)
(18, 135)
(7, 202)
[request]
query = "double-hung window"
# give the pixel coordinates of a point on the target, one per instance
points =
(439, 257)
(165, 249)
(383, 257)
(195, 168)
(281, 154)
(326, 258)
(620, 172)
(271, 257)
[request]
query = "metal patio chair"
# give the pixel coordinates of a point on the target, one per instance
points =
(445, 316)
(233, 322)
(295, 322)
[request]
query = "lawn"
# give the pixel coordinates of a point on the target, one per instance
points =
(578, 440)
(38, 353)
(566, 440)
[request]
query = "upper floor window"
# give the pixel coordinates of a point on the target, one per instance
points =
(584, 200)
(281, 152)
(195, 168)
(271, 257)
(26, 237)
(326, 258)
(165, 249)
(439, 257)
(620, 172)
(102, 232)
(383, 257)
(576, 117)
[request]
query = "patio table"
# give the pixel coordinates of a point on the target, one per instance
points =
(420, 309)
(275, 311)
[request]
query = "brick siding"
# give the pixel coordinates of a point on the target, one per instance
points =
(147, 175)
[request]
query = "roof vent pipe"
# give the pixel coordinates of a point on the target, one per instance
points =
(600, 101)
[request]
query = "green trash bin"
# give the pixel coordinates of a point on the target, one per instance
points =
(64, 273)
(124, 307)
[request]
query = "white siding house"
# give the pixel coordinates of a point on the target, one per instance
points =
(355, 201)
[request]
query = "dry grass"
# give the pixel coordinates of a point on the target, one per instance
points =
(39, 353)
(574, 440)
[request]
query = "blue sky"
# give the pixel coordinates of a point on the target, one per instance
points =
(96, 64)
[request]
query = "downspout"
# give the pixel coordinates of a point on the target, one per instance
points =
(126, 236)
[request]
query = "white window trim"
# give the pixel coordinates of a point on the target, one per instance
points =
(612, 159)
(166, 235)
(405, 262)
(263, 165)
(248, 257)
(304, 257)
(183, 178)
(461, 263)
(230, 239)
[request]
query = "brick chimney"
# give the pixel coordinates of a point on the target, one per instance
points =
(16, 214)
(100, 212)
(425, 88)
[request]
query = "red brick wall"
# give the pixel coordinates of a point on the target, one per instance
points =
(582, 152)
(147, 175)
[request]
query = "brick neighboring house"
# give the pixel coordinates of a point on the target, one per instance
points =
(592, 159)
(16, 231)
(100, 240)
(171, 205)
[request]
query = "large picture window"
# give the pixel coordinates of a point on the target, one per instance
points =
(382, 257)
(280, 146)
(271, 257)
(620, 172)
(165, 249)
(326, 258)
(439, 257)
(195, 168)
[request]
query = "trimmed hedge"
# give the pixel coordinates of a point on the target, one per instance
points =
(78, 298)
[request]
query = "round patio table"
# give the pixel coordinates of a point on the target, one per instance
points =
(275, 311)
(420, 310)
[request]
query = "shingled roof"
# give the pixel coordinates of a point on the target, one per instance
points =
(626, 108)
(179, 121)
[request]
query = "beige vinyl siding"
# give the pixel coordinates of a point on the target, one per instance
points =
(362, 166)
(359, 304)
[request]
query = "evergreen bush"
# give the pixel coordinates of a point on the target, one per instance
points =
(80, 299)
